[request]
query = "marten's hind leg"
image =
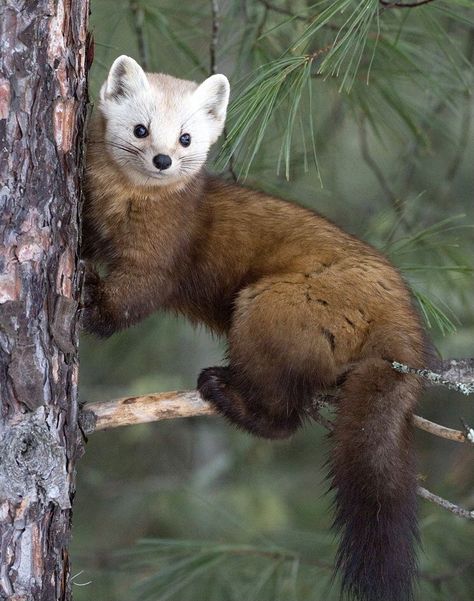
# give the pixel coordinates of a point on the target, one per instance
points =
(279, 354)
(216, 386)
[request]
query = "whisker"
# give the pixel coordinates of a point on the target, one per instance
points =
(128, 143)
(121, 147)
(193, 159)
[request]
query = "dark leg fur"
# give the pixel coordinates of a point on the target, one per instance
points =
(114, 302)
(216, 386)
(94, 316)
(277, 360)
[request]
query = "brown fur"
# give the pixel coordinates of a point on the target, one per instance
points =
(303, 305)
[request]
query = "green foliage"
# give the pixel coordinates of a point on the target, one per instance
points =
(361, 112)
(369, 54)
(185, 569)
(433, 244)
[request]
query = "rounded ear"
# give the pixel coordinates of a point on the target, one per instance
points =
(213, 95)
(124, 79)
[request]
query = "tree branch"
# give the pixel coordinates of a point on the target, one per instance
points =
(170, 405)
(142, 409)
(457, 370)
(465, 387)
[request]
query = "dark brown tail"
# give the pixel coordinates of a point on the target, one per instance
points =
(374, 478)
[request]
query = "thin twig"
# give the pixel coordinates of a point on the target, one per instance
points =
(269, 6)
(213, 69)
(372, 164)
(282, 11)
(459, 511)
(138, 22)
(214, 37)
(442, 431)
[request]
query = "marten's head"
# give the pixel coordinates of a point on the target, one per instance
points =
(159, 129)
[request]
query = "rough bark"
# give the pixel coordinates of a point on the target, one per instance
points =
(42, 110)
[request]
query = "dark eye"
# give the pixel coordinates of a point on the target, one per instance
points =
(140, 131)
(185, 140)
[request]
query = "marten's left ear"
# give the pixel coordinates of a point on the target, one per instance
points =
(213, 96)
(125, 79)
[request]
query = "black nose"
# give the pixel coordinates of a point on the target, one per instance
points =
(162, 161)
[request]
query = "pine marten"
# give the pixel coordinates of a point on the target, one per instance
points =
(304, 305)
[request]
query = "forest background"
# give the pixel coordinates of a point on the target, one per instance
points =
(360, 110)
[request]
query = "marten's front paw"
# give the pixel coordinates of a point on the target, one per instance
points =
(94, 320)
(91, 288)
(91, 318)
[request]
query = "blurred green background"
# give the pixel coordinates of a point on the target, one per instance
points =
(223, 516)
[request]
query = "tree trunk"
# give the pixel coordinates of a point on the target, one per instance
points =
(42, 109)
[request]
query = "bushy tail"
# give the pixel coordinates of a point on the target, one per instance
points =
(374, 478)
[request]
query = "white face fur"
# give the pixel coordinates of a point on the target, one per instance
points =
(159, 129)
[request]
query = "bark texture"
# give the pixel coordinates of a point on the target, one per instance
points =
(42, 110)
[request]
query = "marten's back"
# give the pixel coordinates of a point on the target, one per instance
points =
(246, 239)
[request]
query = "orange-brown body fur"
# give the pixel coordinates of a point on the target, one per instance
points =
(304, 306)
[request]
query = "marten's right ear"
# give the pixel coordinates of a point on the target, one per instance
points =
(125, 78)
(213, 96)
